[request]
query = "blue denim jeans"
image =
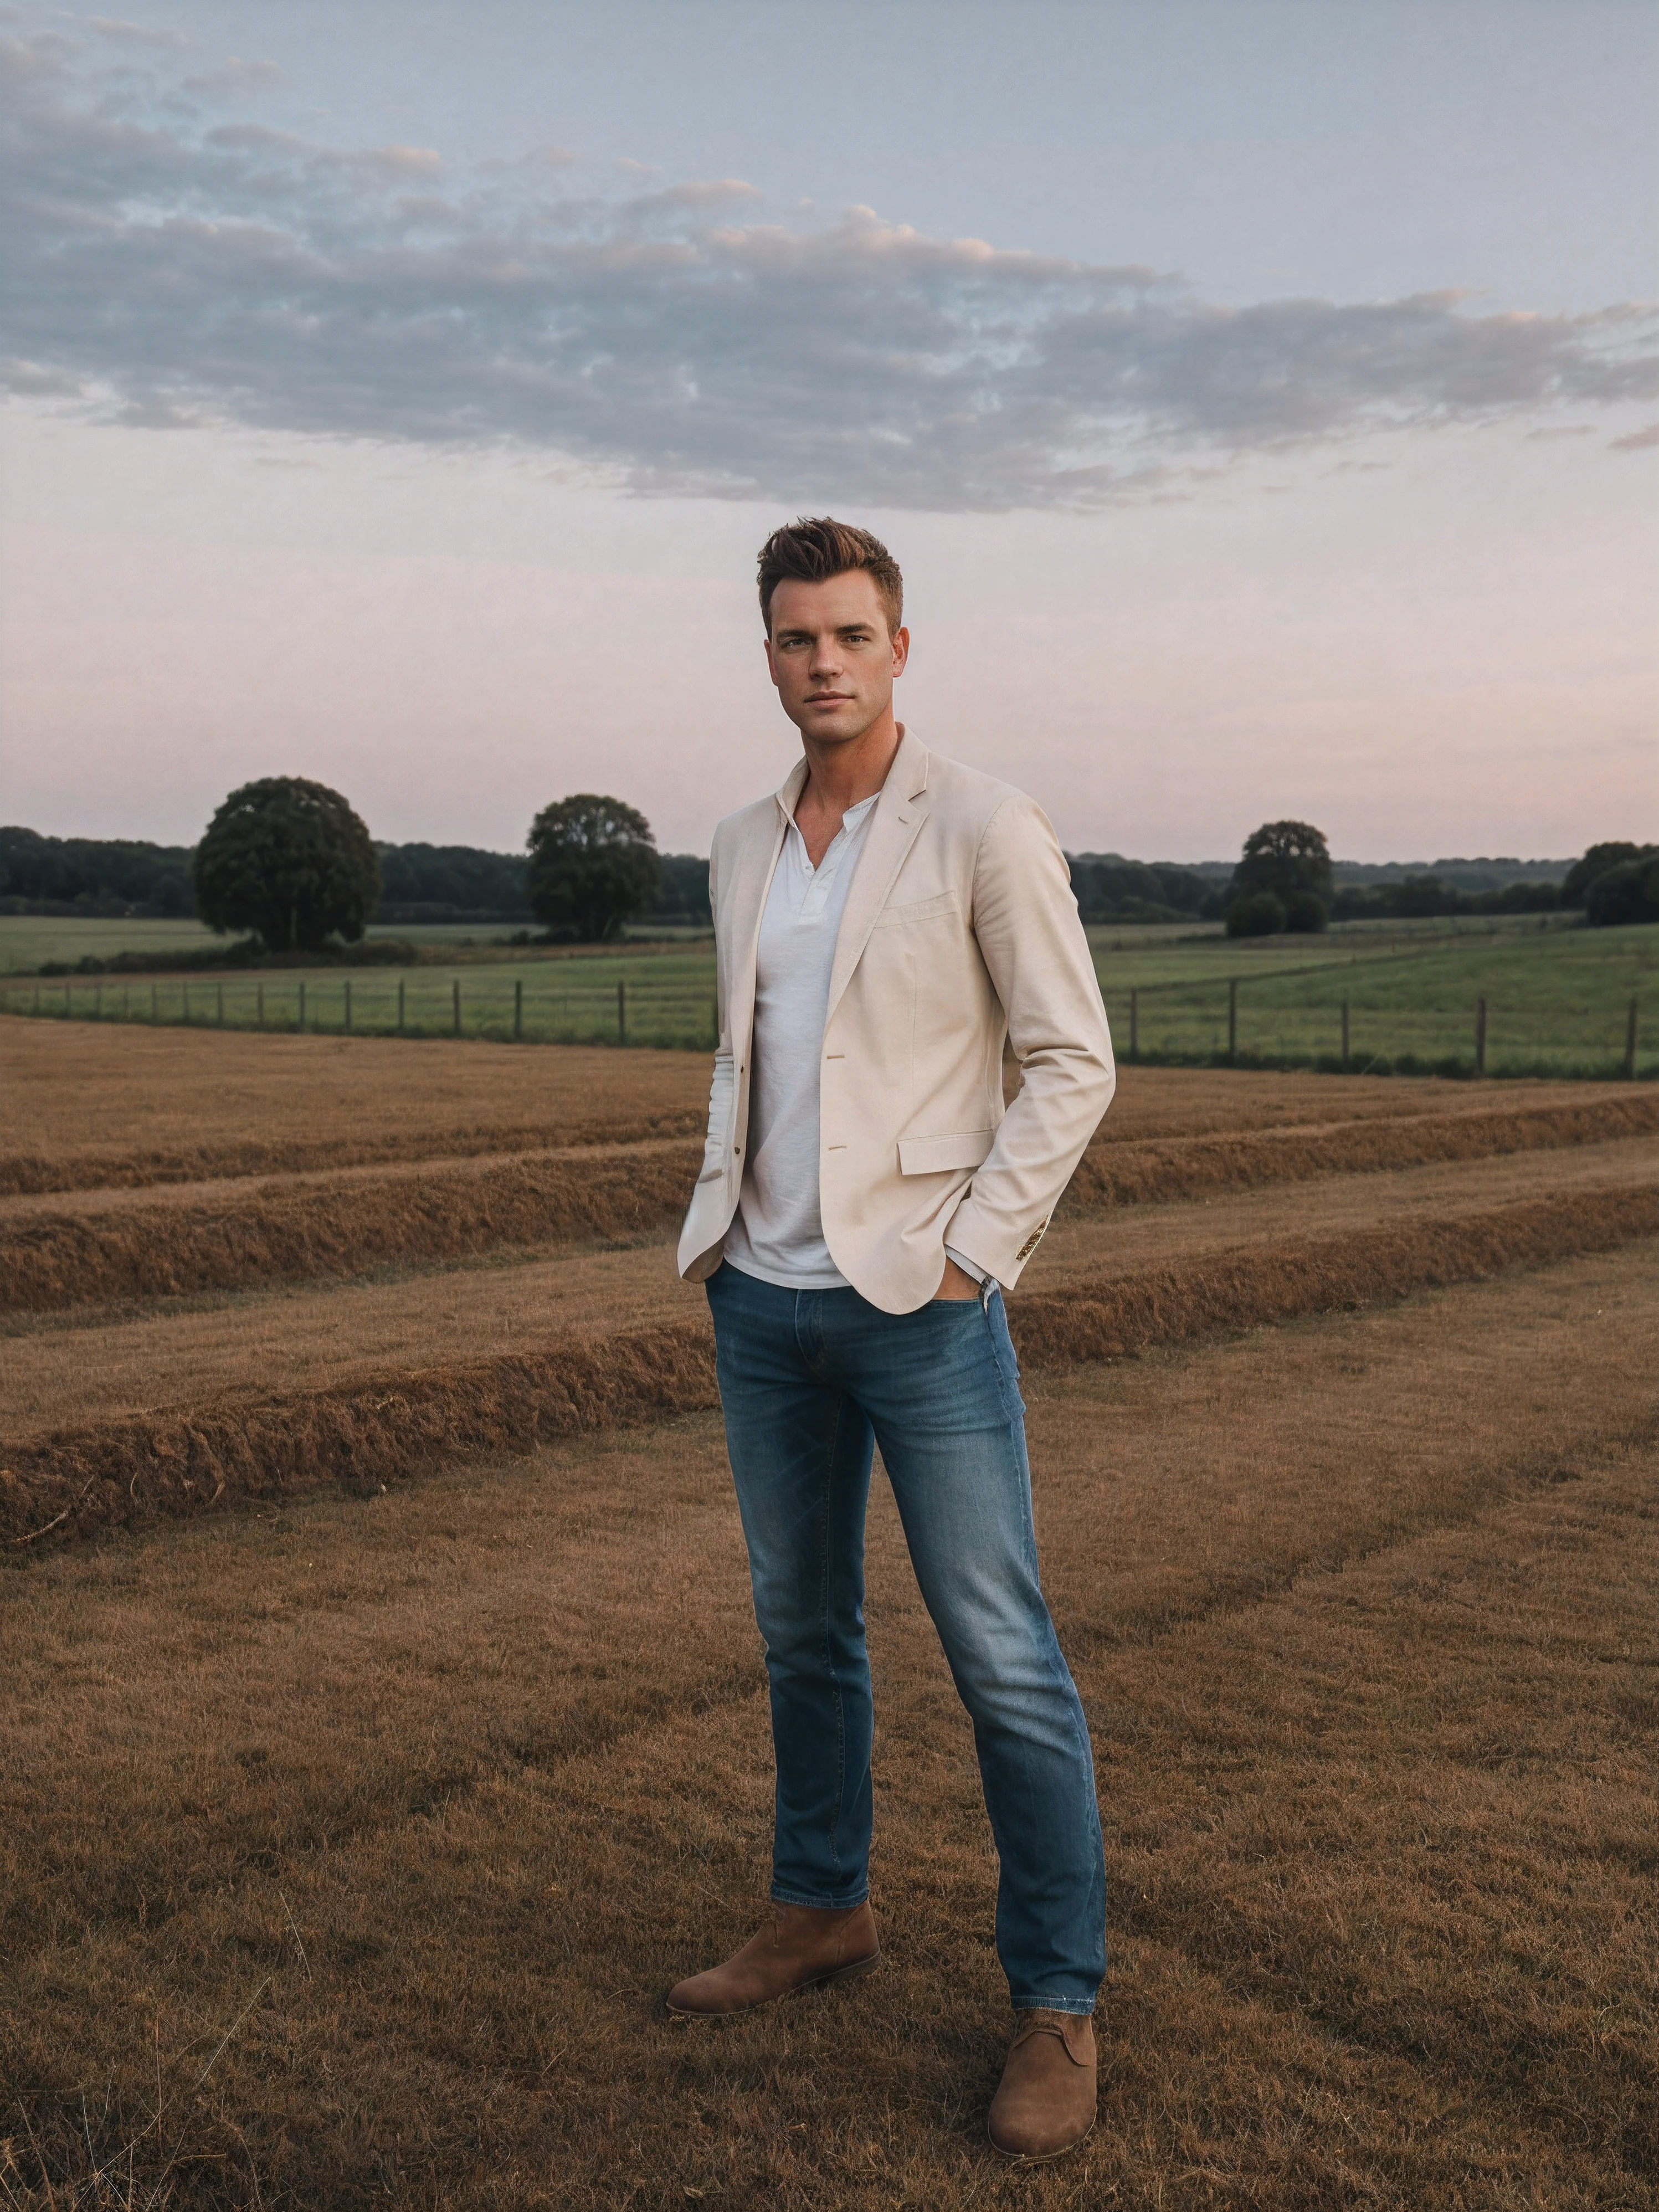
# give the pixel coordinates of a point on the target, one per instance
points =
(810, 1381)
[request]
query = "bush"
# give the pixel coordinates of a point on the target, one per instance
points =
(1629, 892)
(1305, 914)
(1261, 916)
(289, 860)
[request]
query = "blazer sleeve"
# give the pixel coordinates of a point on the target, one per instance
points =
(1025, 920)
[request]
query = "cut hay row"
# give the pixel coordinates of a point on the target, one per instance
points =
(49, 1262)
(377, 1430)
(1160, 1168)
(29, 1174)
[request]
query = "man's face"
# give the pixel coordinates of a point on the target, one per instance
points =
(831, 656)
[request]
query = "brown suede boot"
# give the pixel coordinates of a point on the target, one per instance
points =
(802, 1948)
(1046, 2103)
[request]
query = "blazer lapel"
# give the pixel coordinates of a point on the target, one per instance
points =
(756, 864)
(894, 828)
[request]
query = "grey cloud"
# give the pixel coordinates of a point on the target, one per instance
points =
(136, 34)
(674, 339)
(236, 76)
(1637, 441)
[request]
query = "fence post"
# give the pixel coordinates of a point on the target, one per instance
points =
(1345, 1036)
(66, 1000)
(1480, 1036)
(36, 998)
(126, 994)
(1630, 1044)
(222, 1006)
(302, 1005)
(518, 1010)
(155, 1005)
(348, 1005)
(1134, 1024)
(400, 1005)
(98, 1002)
(457, 1006)
(622, 1014)
(1233, 1018)
(260, 1004)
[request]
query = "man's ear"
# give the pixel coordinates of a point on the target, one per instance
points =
(771, 665)
(901, 650)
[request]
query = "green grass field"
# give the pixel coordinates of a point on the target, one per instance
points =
(1558, 997)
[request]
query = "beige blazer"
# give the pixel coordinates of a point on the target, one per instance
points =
(959, 931)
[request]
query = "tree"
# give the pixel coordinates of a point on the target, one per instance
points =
(592, 860)
(1628, 892)
(1575, 890)
(1291, 863)
(289, 860)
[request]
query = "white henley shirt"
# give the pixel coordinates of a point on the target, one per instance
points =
(777, 1232)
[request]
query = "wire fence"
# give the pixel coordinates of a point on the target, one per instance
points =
(499, 1007)
(1283, 1021)
(1294, 1018)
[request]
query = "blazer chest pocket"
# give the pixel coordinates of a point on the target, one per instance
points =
(939, 1155)
(928, 910)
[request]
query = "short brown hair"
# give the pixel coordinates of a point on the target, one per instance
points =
(817, 547)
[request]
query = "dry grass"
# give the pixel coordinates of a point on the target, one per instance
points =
(177, 1356)
(269, 1233)
(425, 1799)
(381, 1428)
(90, 1105)
(237, 1234)
(1156, 1170)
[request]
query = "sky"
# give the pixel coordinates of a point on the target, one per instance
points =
(1262, 397)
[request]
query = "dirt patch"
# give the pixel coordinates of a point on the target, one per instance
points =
(384, 1428)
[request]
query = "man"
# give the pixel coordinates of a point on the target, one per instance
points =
(883, 924)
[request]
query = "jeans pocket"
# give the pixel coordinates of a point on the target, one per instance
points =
(1002, 1351)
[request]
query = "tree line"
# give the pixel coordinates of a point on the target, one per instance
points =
(129, 879)
(291, 866)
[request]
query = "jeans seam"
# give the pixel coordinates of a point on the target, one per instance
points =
(1014, 1414)
(828, 1659)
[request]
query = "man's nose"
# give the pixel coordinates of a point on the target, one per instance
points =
(826, 656)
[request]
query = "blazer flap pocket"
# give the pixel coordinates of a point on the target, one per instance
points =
(928, 910)
(938, 1155)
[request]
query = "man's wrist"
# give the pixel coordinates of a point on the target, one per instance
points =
(971, 1268)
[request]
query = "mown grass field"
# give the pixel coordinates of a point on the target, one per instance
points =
(388, 1720)
(1558, 998)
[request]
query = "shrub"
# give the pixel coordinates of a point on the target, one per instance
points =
(1305, 914)
(1261, 916)
(289, 860)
